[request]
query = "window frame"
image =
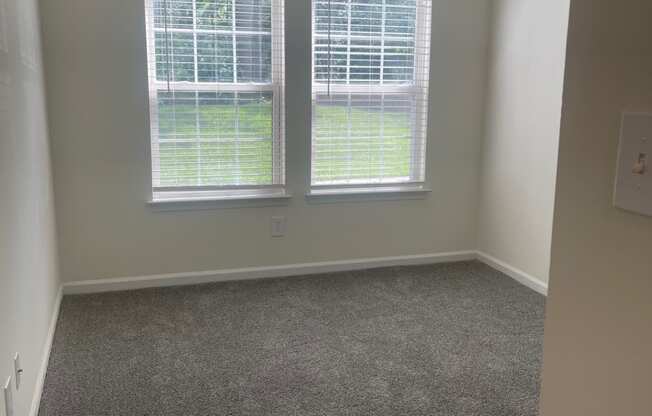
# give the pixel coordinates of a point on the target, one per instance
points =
(423, 28)
(174, 194)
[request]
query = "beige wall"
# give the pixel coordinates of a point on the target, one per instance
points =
(28, 268)
(599, 318)
(522, 133)
(96, 78)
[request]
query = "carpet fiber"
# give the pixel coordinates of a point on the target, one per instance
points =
(450, 339)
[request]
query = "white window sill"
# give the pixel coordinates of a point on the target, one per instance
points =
(188, 201)
(372, 193)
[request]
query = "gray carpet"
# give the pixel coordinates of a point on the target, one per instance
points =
(454, 339)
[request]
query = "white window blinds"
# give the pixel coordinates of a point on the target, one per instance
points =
(216, 82)
(370, 91)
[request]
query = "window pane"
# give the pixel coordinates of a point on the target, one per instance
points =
(254, 58)
(175, 56)
(366, 17)
(369, 94)
(177, 116)
(254, 15)
(365, 60)
(371, 41)
(212, 113)
(362, 139)
(214, 58)
(400, 17)
(338, 16)
(214, 14)
(337, 57)
(178, 13)
(399, 61)
(215, 138)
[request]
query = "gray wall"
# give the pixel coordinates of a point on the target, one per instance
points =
(28, 267)
(599, 315)
(526, 82)
(97, 94)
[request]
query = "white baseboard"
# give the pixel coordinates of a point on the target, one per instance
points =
(516, 274)
(248, 273)
(191, 278)
(45, 357)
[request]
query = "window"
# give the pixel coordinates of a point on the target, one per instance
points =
(216, 83)
(369, 92)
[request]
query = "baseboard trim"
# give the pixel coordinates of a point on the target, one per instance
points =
(40, 378)
(249, 273)
(192, 278)
(516, 274)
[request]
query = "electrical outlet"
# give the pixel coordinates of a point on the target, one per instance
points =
(18, 371)
(9, 399)
(278, 226)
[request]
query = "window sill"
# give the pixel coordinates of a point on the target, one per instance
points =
(179, 202)
(384, 193)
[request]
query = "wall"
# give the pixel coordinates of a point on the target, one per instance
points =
(522, 133)
(599, 315)
(28, 268)
(97, 90)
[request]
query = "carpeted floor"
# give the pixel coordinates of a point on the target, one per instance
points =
(454, 339)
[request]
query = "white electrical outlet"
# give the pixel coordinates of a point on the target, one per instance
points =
(18, 371)
(9, 399)
(278, 226)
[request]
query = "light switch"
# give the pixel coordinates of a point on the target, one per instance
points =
(18, 371)
(634, 177)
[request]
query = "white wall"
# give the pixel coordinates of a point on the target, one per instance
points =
(28, 267)
(522, 133)
(599, 315)
(97, 91)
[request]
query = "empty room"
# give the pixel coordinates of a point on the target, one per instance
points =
(325, 207)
